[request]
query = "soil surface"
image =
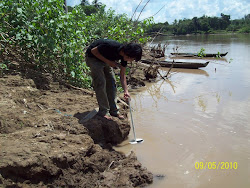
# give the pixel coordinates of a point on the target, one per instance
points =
(43, 143)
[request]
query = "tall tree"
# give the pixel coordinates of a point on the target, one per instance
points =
(96, 3)
(196, 24)
(225, 21)
(65, 6)
(84, 2)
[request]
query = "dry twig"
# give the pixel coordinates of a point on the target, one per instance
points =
(170, 69)
(135, 10)
(142, 10)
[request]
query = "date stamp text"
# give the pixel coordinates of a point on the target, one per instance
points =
(216, 165)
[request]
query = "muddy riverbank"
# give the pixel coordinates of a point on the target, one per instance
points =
(43, 143)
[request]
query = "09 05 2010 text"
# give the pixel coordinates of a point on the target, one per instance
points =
(216, 165)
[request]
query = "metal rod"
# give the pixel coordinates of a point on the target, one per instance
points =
(132, 122)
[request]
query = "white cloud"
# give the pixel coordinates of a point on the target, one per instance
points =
(122, 6)
(73, 2)
(178, 9)
(236, 9)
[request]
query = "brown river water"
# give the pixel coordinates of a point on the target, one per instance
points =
(196, 125)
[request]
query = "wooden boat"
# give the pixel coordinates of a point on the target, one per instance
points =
(196, 54)
(185, 65)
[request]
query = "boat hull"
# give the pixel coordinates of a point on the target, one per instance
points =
(196, 55)
(184, 65)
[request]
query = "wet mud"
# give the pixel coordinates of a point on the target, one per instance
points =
(43, 143)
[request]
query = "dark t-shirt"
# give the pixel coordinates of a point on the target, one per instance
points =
(109, 49)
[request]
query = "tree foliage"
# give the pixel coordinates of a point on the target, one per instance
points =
(240, 25)
(203, 24)
(52, 41)
(92, 8)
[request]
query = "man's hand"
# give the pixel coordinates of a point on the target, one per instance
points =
(113, 64)
(97, 54)
(126, 95)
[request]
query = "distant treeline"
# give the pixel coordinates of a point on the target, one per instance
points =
(203, 24)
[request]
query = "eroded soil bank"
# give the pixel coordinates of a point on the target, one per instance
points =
(43, 143)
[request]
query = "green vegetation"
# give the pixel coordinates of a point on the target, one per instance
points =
(203, 24)
(201, 53)
(3, 67)
(55, 42)
(218, 55)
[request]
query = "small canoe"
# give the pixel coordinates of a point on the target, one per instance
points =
(196, 54)
(185, 65)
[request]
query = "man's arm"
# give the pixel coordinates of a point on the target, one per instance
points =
(96, 53)
(124, 82)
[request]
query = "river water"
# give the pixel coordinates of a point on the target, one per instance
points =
(196, 125)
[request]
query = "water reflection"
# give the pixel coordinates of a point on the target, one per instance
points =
(197, 116)
(189, 71)
(206, 105)
(154, 91)
(198, 59)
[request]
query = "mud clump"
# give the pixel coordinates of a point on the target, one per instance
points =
(106, 131)
(42, 143)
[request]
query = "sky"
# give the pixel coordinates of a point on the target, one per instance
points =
(176, 9)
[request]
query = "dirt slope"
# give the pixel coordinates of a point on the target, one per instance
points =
(42, 143)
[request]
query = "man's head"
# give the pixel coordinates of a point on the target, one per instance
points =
(132, 51)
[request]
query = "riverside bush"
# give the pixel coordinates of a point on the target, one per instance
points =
(52, 41)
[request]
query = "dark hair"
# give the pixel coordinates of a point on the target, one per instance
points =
(133, 50)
